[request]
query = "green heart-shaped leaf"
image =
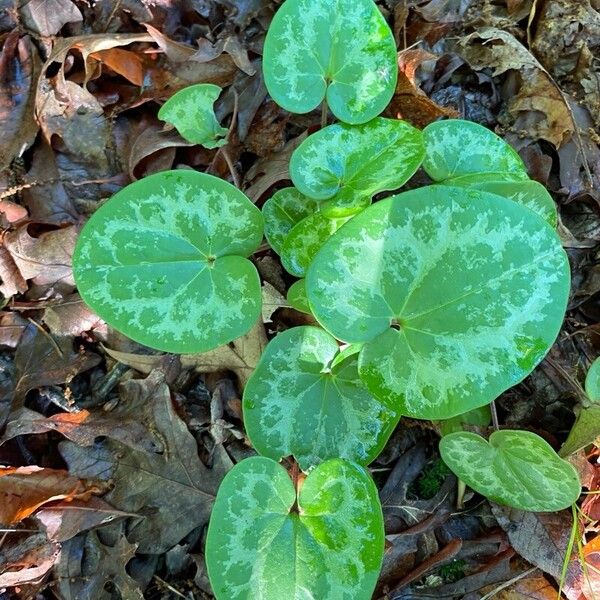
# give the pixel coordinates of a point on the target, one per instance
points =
(516, 468)
(457, 293)
(296, 296)
(260, 546)
(282, 211)
(191, 112)
(305, 239)
(341, 50)
(297, 403)
(349, 165)
(164, 262)
(529, 193)
(592, 382)
(456, 147)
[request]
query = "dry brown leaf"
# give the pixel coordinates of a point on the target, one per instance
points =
(24, 489)
(542, 540)
(42, 360)
(533, 587)
(124, 62)
(64, 520)
(26, 560)
(71, 317)
(45, 259)
(268, 171)
(91, 563)
(12, 326)
(48, 17)
(240, 356)
(19, 68)
(12, 281)
(538, 109)
(170, 487)
(230, 44)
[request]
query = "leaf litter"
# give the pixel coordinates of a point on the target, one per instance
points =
(112, 453)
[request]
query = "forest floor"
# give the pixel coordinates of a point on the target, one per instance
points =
(87, 498)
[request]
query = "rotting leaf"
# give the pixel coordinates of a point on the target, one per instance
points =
(19, 67)
(24, 489)
(42, 360)
(172, 489)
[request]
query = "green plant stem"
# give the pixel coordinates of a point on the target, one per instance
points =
(460, 494)
(495, 421)
(324, 110)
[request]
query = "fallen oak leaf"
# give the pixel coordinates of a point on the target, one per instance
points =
(24, 489)
(41, 360)
(27, 561)
(48, 17)
(171, 488)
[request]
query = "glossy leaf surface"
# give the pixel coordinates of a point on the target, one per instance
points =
(516, 468)
(348, 165)
(331, 547)
(305, 239)
(296, 296)
(191, 112)
(297, 404)
(456, 147)
(529, 193)
(164, 262)
(458, 295)
(339, 50)
(285, 209)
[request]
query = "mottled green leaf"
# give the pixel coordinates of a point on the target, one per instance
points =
(191, 112)
(348, 165)
(339, 50)
(592, 382)
(585, 430)
(296, 296)
(260, 546)
(456, 147)
(516, 468)
(282, 211)
(305, 239)
(478, 417)
(297, 403)
(457, 293)
(529, 193)
(164, 262)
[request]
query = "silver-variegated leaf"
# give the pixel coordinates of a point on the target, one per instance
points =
(261, 544)
(164, 262)
(456, 147)
(305, 239)
(191, 112)
(515, 468)
(529, 193)
(341, 51)
(296, 296)
(457, 293)
(298, 402)
(349, 165)
(285, 209)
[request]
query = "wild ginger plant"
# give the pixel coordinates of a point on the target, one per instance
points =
(431, 303)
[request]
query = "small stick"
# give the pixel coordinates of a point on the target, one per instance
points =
(495, 421)
(234, 175)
